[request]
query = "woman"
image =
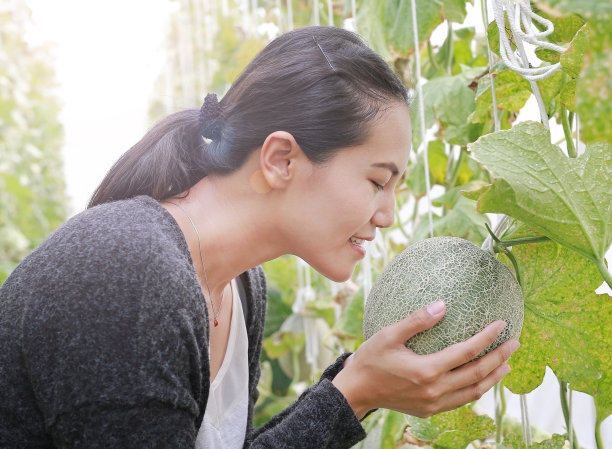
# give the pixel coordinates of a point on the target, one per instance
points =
(139, 322)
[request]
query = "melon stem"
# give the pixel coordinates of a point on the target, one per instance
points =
(604, 271)
(566, 414)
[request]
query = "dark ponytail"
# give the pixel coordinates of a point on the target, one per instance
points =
(321, 84)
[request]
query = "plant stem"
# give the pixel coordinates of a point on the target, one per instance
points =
(432, 56)
(523, 241)
(455, 173)
(566, 414)
(604, 272)
(571, 149)
(598, 440)
(449, 56)
(500, 412)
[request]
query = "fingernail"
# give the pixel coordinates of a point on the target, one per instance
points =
(435, 308)
(514, 345)
(501, 326)
(506, 369)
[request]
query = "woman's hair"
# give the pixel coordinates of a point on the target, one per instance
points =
(323, 85)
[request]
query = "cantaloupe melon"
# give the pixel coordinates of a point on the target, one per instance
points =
(477, 289)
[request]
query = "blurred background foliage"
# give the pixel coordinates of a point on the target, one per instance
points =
(33, 201)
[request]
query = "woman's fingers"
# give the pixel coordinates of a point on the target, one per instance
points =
(474, 391)
(478, 370)
(461, 353)
(416, 322)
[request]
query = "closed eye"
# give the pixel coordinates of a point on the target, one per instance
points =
(378, 186)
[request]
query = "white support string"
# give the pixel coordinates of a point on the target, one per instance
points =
(316, 12)
(330, 12)
(496, 120)
(422, 114)
(354, 12)
(526, 427)
(290, 15)
(523, 14)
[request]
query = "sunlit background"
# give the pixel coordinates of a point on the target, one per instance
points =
(106, 71)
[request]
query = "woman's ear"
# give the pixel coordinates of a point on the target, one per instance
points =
(277, 159)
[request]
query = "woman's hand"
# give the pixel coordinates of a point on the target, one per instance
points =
(383, 373)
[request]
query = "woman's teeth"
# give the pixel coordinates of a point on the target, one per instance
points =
(356, 241)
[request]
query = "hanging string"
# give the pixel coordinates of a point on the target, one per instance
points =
(254, 8)
(422, 115)
(526, 427)
(354, 12)
(523, 14)
(496, 120)
(330, 12)
(290, 15)
(316, 12)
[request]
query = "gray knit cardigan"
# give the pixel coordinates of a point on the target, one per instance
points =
(104, 344)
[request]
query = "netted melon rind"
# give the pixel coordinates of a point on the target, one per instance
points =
(477, 289)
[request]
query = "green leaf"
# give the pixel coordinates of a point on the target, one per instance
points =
(452, 430)
(493, 36)
(454, 10)
(548, 55)
(511, 92)
(567, 96)
(565, 26)
(281, 343)
(415, 176)
(594, 88)
(549, 89)
(277, 311)
(568, 200)
(398, 22)
(565, 324)
(449, 198)
(585, 8)
(462, 221)
(371, 19)
(511, 89)
(393, 429)
(450, 101)
(437, 160)
(516, 442)
(350, 323)
(572, 58)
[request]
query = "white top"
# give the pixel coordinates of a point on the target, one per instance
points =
(225, 419)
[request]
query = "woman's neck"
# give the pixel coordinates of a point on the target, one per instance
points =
(236, 225)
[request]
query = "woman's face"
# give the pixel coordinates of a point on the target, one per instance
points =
(348, 197)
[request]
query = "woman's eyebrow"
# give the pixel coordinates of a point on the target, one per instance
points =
(388, 165)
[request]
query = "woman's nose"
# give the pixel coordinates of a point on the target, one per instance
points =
(385, 214)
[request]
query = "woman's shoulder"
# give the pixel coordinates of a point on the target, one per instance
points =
(124, 245)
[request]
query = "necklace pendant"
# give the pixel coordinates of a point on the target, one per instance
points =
(216, 322)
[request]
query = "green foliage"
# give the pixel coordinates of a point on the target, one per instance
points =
(565, 323)
(568, 200)
(32, 191)
(515, 441)
(452, 430)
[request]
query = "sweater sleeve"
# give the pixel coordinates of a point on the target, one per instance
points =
(115, 341)
(320, 418)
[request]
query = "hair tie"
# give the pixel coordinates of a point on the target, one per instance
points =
(210, 124)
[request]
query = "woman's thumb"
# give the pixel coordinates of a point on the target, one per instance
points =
(419, 321)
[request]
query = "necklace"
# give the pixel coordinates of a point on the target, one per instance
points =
(212, 306)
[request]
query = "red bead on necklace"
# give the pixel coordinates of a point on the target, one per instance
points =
(216, 323)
